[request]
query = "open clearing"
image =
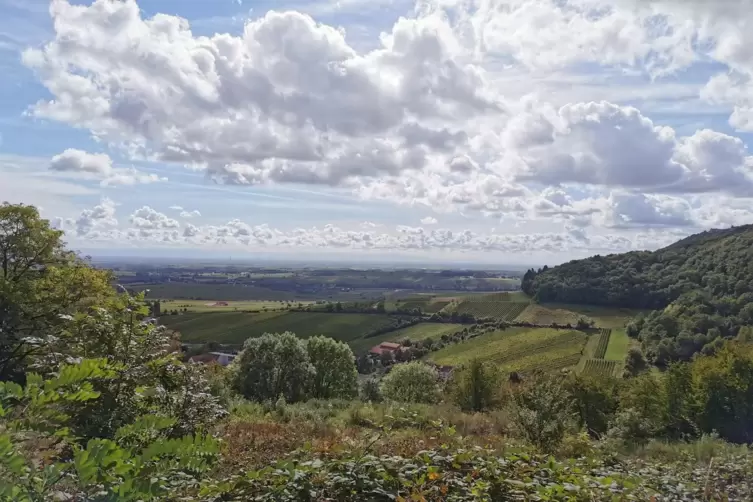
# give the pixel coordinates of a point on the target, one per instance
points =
(605, 317)
(518, 349)
(235, 327)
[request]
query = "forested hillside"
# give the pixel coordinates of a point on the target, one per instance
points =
(701, 290)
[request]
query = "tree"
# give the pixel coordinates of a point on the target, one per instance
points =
(41, 283)
(594, 400)
(411, 382)
(722, 387)
(274, 365)
(333, 361)
(635, 363)
(476, 386)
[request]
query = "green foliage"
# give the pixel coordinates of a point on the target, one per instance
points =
(40, 283)
(542, 411)
(414, 382)
(476, 386)
(274, 365)
(151, 378)
(595, 401)
(335, 374)
(635, 363)
(39, 455)
(699, 287)
(723, 386)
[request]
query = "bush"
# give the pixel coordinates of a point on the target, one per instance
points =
(412, 382)
(542, 412)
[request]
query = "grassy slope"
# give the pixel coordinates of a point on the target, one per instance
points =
(516, 348)
(605, 317)
(236, 327)
(537, 314)
(619, 343)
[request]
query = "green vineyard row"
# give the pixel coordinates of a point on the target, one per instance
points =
(601, 348)
(599, 367)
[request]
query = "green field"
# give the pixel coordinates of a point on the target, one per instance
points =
(605, 317)
(509, 296)
(235, 327)
(518, 349)
(425, 330)
(428, 304)
(618, 346)
(506, 311)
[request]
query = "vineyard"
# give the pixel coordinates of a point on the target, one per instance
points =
(506, 311)
(601, 348)
(599, 368)
(518, 349)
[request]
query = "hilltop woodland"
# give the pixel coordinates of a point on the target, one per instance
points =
(700, 290)
(97, 404)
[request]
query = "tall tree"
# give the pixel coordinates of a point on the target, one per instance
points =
(40, 283)
(476, 387)
(333, 361)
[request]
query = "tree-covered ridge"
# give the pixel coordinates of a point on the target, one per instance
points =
(700, 288)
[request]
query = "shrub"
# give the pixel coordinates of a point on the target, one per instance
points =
(412, 382)
(542, 412)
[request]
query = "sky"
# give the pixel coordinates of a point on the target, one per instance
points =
(489, 131)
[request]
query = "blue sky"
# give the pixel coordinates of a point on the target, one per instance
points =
(503, 131)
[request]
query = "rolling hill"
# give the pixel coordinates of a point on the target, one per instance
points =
(700, 289)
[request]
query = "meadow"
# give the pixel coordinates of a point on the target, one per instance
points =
(518, 349)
